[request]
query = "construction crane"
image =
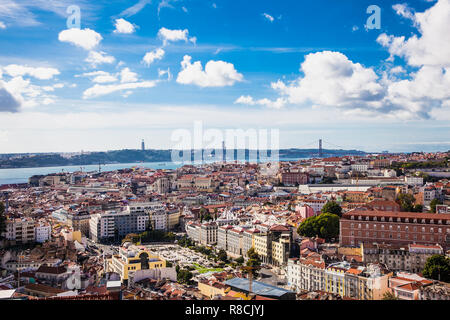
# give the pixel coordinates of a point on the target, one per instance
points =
(250, 269)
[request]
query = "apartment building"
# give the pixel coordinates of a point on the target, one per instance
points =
(410, 258)
(79, 221)
(403, 228)
(358, 282)
(294, 178)
(42, 231)
(208, 233)
(20, 230)
(111, 224)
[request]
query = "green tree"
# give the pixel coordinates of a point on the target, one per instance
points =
(253, 261)
(240, 260)
(184, 276)
(406, 202)
(437, 267)
(325, 225)
(332, 207)
(2, 220)
(433, 204)
(418, 208)
(222, 255)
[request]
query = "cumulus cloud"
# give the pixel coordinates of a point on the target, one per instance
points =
(100, 90)
(151, 56)
(126, 75)
(98, 57)
(21, 93)
(167, 35)
(432, 46)
(84, 38)
(331, 80)
(216, 73)
(123, 26)
(2, 25)
(41, 73)
(403, 10)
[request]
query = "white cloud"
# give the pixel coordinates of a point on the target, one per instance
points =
(128, 76)
(167, 35)
(268, 17)
(20, 93)
(248, 100)
(432, 47)
(216, 73)
(41, 73)
(84, 38)
(100, 90)
(98, 57)
(151, 56)
(331, 79)
(123, 26)
(404, 11)
(2, 25)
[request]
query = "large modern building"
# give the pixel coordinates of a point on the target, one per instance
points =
(403, 228)
(112, 224)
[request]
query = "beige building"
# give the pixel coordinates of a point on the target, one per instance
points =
(20, 230)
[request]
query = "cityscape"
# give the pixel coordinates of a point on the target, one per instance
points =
(253, 157)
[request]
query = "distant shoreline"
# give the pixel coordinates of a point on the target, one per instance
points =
(145, 156)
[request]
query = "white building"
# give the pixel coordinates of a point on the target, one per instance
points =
(413, 180)
(42, 232)
(359, 167)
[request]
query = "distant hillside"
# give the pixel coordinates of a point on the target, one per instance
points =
(131, 156)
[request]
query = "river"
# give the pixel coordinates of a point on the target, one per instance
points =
(21, 175)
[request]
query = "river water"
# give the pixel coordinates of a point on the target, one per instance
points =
(21, 175)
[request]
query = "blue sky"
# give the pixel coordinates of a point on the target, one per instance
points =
(308, 68)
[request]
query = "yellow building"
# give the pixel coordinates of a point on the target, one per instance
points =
(173, 219)
(131, 259)
(281, 250)
(262, 247)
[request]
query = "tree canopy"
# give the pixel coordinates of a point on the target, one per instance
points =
(433, 204)
(406, 202)
(325, 225)
(332, 207)
(253, 260)
(437, 267)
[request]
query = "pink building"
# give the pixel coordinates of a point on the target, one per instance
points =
(305, 211)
